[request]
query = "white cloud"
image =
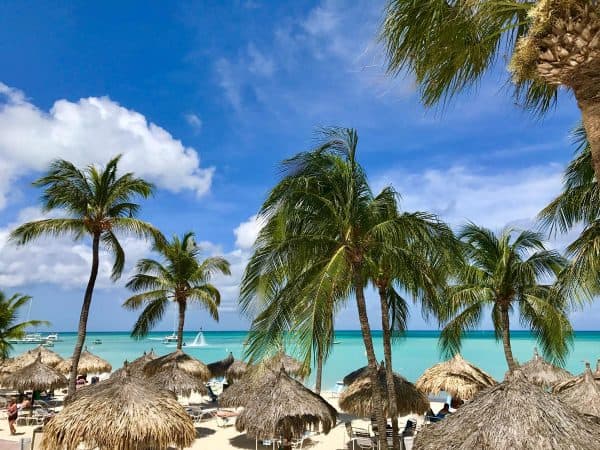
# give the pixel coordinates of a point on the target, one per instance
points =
(194, 121)
(92, 130)
(459, 194)
(258, 63)
(247, 232)
(229, 83)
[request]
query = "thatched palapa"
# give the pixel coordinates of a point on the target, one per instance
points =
(285, 408)
(457, 377)
(236, 370)
(135, 367)
(584, 394)
(184, 361)
(355, 375)
(123, 413)
(36, 376)
(49, 358)
(514, 415)
(88, 363)
(541, 372)
(357, 399)
(246, 390)
(218, 369)
(291, 365)
(173, 379)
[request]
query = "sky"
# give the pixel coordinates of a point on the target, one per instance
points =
(205, 99)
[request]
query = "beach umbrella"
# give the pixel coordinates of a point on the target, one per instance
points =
(236, 370)
(291, 365)
(516, 415)
(184, 361)
(563, 385)
(355, 375)
(88, 363)
(219, 368)
(357, 398)
(36, 376)
(49, 358)
(125, 413)
(583, 394)
(285, 407)
(541, 372)
(456, 376)
(245, 390)
(172, 378)
(135, 367)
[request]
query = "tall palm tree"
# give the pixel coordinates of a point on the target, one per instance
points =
(578, 205)
(509, 272)
(181, 278)
(9, 327)
(328, 227)
(99, 204)
(450, 46)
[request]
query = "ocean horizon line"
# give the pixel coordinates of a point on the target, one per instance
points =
(337, 331)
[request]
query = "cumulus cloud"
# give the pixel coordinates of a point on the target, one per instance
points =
(247, 232)
(92, 130)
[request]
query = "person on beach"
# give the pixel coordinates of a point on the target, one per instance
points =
(444, 411)
(13, 412)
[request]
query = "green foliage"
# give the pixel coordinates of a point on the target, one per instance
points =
(181, 277)
(9, 327)
(95, 201)
(448, 46)
(511, 270)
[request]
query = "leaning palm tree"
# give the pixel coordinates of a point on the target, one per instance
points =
(99, 204)
(181, 278)
(331, 227)
(506, 273)
(450, 46)
(9, 327)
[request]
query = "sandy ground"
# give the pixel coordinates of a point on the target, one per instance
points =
(212, 436)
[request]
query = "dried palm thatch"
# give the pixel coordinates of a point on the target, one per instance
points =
(49, 358)
(285, 408)
(218, 369)
(88, 363)
(541, 372)
(184, 361)
(236, 370)
(291, 365)
(355, 375)
(513, 414)
(584, 394)
(123, 413)
(245, 391)
(135, 367)
(357, 399)
(457, 377)
(563, 385)
(172, 378)
(36, 376)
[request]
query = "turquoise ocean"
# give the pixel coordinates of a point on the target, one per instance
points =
(413, 353)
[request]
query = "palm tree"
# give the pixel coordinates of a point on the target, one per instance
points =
(323, 227)
(450, 46)
(506, 273)
(578, 204)
(181, 278)
(100, 205)
(9, 328)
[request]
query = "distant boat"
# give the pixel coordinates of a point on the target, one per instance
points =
(337, 342)
(48, 344)
(29, 338)
(97, 342)
(53, 337)
(170, 339)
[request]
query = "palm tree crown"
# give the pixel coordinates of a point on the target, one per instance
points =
(9, 327)
(509, 272)
(181, 278)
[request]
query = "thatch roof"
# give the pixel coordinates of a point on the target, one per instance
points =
(355, 375)
(291, 365)
(584, 394)
(218, 369)
(285, 408)
(357, 399)
(598, 367)
(88, 363)
(516, 415)
(245, 390)
(36, 376)
(172, 378)
(236, 370)
(457, 377)
(123, 413)
(184, 361)
(135, 367)
(49, 358)
(541, 372)
(564, 385)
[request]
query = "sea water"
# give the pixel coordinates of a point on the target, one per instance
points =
(412, 354)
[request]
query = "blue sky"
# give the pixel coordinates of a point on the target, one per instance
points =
(206, 98)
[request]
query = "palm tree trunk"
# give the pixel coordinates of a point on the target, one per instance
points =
(85, 311)
(371, 359)
(319, 375)
(590, 111)
(180, 324)
(506, 339)
(389, 371)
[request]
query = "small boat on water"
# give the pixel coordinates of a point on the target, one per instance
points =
(29, 338)
(170, 339)
(97, 342)
(48, 344)
(53, 338)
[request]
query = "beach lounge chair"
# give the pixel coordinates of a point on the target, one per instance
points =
(358, 434)
(225, 418)
(36, 439)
